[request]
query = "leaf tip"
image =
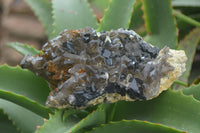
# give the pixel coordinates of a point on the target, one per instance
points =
(5, 64)
(123, 120)
(45, 120)
(111, 122)
(38, 127)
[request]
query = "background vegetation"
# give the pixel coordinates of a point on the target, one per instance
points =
(23, 94)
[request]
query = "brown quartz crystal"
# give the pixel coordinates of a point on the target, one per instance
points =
(84, 67)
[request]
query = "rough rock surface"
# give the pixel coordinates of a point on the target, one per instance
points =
(85, 67)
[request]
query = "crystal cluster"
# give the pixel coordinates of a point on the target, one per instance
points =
(84, 67)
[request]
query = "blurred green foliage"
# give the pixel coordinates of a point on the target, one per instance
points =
(22, 94)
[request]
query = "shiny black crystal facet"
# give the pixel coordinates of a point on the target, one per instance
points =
(69, 47)
(86, 37)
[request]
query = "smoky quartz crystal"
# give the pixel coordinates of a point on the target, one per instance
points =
(84, 67)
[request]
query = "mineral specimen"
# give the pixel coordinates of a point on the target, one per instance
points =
(84, 67)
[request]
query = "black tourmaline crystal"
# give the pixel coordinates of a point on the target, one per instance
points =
(85, 67)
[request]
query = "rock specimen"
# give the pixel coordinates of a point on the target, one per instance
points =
(85, 67)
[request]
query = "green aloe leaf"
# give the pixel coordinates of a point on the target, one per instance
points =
(24, 88)
(56, 124)
(99, 5)
(109, 109)
(136, 19)
(117, 15)
(187, 3)
(72, 14)
(133, 126)
(6, 125)
(25, 120)
(23, 82)
(26, 103)
(23, 48)
(171, 108)
(93, 119)
(42, 9)
(16, 84)
(71, 122)
(184, 28)
(193, 90)
(186, 18)
(160, 23)
(189, 45)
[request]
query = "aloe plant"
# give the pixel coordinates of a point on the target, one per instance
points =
(23, 94)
